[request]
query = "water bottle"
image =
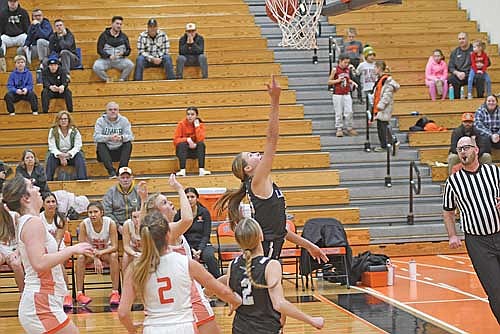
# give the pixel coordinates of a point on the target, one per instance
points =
(451, 92)
(390, 273)
(39, 76)
(462, 93)
(412, 270)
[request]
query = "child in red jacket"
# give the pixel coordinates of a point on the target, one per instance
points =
(479, 64)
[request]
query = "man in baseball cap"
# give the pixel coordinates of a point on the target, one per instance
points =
(122, 199)
(468, 129)
(191, 51)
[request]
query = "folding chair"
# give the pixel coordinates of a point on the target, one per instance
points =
(227, 248)
(330, 236)
(290, 253)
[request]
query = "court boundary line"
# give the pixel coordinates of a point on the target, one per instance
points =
(366, 322)
(438, 267)
(424, 316)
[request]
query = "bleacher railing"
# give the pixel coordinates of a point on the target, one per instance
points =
(391, 150)
(414, 188)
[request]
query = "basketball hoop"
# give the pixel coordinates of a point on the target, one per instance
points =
(298, 21)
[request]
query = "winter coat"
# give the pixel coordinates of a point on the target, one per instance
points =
(119, 204)
(435, 71)
(386, 101)
(108, 45)
(42, 30)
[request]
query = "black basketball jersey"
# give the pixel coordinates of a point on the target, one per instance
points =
(256, 314)
(269, 212)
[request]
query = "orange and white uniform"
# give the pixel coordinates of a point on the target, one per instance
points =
(52, 228)
(202, 310)
(8, 247)
(135, 238)
(167, 302)
(41, 307)
(99, 240)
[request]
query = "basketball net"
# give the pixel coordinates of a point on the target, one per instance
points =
(298, 26)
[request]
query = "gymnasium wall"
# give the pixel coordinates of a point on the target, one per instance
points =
(485, 12)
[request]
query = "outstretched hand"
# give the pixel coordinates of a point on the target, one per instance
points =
(274, 88)
(318, 254)
(142, 190)
(174, 183)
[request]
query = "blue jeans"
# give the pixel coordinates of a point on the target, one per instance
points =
(141, 62)
(78, 161)
(470, 81)
(192, 60)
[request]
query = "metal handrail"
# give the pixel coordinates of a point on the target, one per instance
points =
(331, 56)
(413, 189)
(391, 148)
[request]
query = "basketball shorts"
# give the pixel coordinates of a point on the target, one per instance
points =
(186, 328)
(202, 310)
(42, 313)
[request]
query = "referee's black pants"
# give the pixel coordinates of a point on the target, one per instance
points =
(484, 251)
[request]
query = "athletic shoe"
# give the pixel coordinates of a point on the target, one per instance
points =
(68, 301)
(352, 132)
(12, 114)
(379, 149)
(339, 133)
(182, 172)
(82, 299)
(35, 113)
(114, 298)
(204, 172)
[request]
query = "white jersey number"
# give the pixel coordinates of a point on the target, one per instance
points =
(246, 291)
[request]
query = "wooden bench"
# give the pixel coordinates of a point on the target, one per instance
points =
(418, 63)
(388, 39)
(167, 86)
(416, 78)
(448, 121)
(286, 179)
(201, 100)
(360, 17)
(436, 107)
(409, 27)
(421, 92)
(425, 138)
(424, 51)
(217, 163)
(160, 116)
(166, 147)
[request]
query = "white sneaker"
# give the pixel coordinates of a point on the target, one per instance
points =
(12, 114)
(469, 96)
(182, 172)
(35, 113)
(204, 172)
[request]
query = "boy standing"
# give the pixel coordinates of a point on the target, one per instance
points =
(366, 70)
(342, 101)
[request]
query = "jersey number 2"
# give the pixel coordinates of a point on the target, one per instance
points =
(163, 289)
(246, 292)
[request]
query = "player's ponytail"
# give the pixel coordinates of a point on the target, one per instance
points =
(248, 235)
(13, 190)
(153, 230)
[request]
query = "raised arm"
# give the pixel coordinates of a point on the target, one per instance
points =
(179, 227)
(261, 182)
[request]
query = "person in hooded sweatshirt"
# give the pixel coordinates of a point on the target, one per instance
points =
(37, 41)
(14, 24)
(20, 87)
(113, 136)
(436, 75)
(113, 47)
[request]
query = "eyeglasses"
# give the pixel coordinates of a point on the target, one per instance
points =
(464, 148)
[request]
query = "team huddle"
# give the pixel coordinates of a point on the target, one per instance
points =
(162, 273)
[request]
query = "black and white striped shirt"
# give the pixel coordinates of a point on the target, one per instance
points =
(475, 194)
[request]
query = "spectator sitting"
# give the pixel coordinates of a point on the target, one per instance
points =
(189, 141)
(153, 51)
(62, 44)
(198, 235)
(122, 199)
(30, 169)
(100, 232)
(191, 52)
(20, 87)
(55, 85)
(459, 64)
(342, 101)
(65, 146)
(113, 47)
(468, 129)
(436, 75)
(5, 171)
(353, 49)
(487, 122)
(37, 41)
(479, 65)
(14, 23)
(366, 71)
(113, 136)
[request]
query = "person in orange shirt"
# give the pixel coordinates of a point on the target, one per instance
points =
(189, 141)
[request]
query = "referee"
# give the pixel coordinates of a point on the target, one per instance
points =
(475, 190)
